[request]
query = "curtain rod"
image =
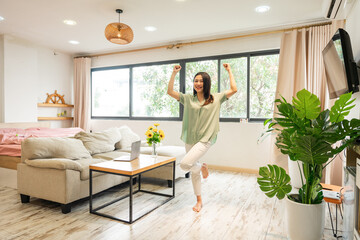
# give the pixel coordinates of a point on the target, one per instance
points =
(178, 45)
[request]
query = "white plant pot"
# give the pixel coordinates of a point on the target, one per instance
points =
(305, 221)
(294, 173)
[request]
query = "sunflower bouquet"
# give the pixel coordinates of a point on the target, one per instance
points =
(154, 135)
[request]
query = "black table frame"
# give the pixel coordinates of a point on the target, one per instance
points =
(130, 195)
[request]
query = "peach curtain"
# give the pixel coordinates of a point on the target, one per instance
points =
(301, 66)
(300, 61)
(82, 68)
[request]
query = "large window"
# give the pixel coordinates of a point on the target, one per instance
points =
(140, 91)
(110, 93)
(263, 78)
(235, 107)
(149, 94)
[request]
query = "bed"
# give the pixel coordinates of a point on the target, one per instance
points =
(11, 135)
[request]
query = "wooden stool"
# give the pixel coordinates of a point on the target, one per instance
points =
(337, 202)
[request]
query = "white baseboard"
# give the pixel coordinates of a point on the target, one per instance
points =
(8, 178)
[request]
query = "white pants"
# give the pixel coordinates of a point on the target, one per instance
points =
(191, 163)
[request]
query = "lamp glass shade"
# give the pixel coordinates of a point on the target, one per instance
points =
(119, 33)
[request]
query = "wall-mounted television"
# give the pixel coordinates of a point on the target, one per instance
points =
(340, 67)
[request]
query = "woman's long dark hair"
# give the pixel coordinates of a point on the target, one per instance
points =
(206, 87)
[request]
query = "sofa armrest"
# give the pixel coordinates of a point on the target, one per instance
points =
(55, 163)
(144, 143)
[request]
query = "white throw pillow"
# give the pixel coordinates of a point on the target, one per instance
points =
(100, 142)
(127, 138)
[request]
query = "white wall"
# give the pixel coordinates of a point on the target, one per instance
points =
(236, 145)
(20, 81)
(353, 28)
(31, 71)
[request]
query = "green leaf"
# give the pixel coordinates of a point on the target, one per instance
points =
(322, 121)
(341, 108)
(307, 105)
(267, 121)
(274, 181)
(310, 149)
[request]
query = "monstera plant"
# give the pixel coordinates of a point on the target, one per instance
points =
(310, 136)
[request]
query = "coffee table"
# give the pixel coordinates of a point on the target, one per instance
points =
(132, 170)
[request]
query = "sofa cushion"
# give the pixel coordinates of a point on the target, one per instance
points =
(53, 147)
(110, 155)
(85, 163)
(127, 138)
(101, 141)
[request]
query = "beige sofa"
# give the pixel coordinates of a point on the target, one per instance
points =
(57, 169)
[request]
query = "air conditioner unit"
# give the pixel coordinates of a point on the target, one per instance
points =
(338, 9)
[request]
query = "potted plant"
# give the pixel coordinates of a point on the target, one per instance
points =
(154, 136)
(308, 135)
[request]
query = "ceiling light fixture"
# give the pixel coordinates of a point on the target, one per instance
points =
(119, 33)
(150, 28)
(262, 9)
(70, 22)
(1, 18)
(74, 42)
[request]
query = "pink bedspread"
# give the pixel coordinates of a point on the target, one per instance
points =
(13, 150)
(11, 138)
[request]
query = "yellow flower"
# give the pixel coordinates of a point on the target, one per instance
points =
(162, 136)
(155, 130)
(151, 128)
(156, 124)
(161, 131)
(149, 134)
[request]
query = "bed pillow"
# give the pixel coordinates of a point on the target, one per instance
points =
(100, 142)
(10, 138)
(16, 135)
(127, 138)
(54, 147)
(12, 130)
(53, 132)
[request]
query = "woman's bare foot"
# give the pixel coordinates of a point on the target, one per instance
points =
(197, 207)
(198, 204)
(204, 170)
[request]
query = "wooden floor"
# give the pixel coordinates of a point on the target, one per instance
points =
(234, 208)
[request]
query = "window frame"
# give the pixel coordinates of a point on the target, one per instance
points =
(182, 76)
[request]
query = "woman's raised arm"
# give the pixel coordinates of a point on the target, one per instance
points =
(233, 88)
(170, 90)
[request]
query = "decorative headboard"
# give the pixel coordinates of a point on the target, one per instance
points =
(25, 125)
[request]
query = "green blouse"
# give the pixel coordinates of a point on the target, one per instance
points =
(200, 123)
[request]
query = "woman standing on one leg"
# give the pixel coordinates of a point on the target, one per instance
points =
(200, 123)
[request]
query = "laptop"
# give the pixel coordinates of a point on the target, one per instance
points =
(135, 152)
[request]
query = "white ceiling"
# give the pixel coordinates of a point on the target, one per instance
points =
(41, 21)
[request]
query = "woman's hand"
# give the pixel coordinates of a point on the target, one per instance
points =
(227, 67)
(177, 68)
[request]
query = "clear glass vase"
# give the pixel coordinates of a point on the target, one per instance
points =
(154, 150)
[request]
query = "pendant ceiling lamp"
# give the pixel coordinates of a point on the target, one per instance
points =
(119, 33)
